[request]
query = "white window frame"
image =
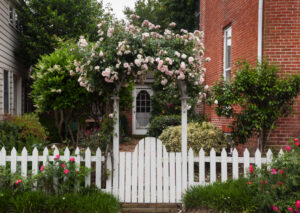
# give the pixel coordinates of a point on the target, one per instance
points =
(6, 93)
(227, 36)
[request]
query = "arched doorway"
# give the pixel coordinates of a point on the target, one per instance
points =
(141, 110)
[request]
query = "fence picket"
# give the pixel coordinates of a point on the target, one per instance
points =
(246, 162)
(109, 178)
(201, 167)
(147, 170)
(235, 164)
(128, 177)
(122, 177)
(45, 156)
(13, 164)
(153, 171)
(257, 158)
(166, 175)
(172, 177)
(191, 167)
(88, 165)
(98, 168)
(67, 154)
(159, 171)
(134, 175)
(24, 162)
(3, 157)
(178, 177)
(223, 165)
(269, 158)
(141, 172)
(35, 161)
(213, 176)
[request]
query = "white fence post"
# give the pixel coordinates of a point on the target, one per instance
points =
(98, 168)
(184, 109)
(3, 157)
(223, 165)
(116, 136)
(235, 164)
(246, 162)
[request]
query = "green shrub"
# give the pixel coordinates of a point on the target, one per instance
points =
(279, 185)
(22, 131)
(204, 135)
(159, 123)
(230, 196)
(37, 201)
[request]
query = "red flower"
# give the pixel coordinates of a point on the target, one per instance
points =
(42, 168)
(280, 183)
(266, 182)
(298, 204)
(66, 171)
(275, 208)
(251, 169)
(63, 165)
(56, 157)
(290, 209)
(72, 159)
(288, 148)
(280, 171)
(249, 182)
(297, 143)
(296, 140)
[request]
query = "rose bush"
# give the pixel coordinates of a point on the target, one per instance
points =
(278, 186)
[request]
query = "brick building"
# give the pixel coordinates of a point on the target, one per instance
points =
(252, 29)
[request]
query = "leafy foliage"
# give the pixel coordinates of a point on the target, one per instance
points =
(42, 22)
(255, 99)
(163, 12)
(159, 123)
(22, 131)
(229, 196)
(204, 135)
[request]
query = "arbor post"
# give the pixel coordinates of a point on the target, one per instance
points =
(184, 109)
(116, 142)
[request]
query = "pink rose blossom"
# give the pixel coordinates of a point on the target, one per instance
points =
(42, 168)
(63, 165)
(66, 171)
(274, 172)
(72, 159)
(275, 208)
(280, 183)
(288, 148)
(249, 182)
(56, 157)
(290, 209)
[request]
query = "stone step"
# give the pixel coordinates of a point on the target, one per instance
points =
(150, 208)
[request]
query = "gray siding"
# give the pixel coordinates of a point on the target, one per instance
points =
(8, 42)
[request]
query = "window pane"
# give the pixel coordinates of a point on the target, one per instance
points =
(228, 57)
(228, 75)
(6, 98)
(11, 15)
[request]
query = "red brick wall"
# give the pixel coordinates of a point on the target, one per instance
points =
(282, 47)
(215, 15)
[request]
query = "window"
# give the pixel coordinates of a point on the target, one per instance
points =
(11, 15)
(227, 54)
(6, 93)
(16, 24)
(143, 102)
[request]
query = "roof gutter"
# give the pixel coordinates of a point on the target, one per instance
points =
(260, 30)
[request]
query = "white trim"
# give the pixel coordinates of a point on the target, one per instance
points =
(227, 29)
(135, 91)
(260, 30)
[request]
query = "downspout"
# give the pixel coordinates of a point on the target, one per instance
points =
(260, 30)
(259, 52)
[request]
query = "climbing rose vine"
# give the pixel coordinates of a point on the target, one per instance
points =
(125, 52)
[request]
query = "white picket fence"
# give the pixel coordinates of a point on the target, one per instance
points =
(150, 174)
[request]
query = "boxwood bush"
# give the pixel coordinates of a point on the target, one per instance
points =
(159, 123)
(200, 135)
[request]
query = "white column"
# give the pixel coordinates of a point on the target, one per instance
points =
(184, 110)
(116, 146)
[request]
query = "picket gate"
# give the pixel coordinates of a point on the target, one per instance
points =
(149, 174)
